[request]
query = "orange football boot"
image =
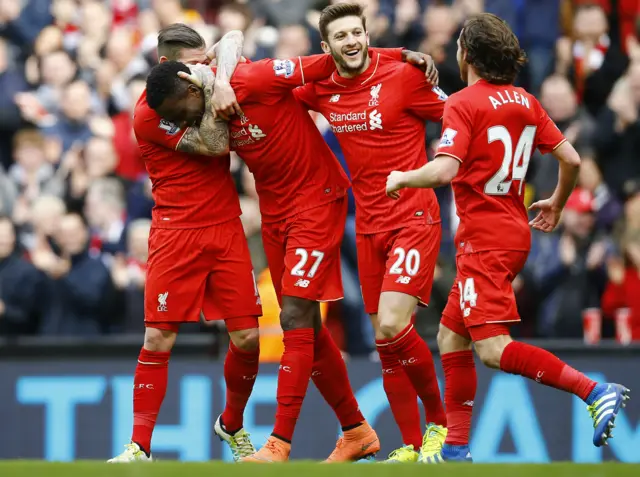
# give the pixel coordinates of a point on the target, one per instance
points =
(358, 443)
(274, 450)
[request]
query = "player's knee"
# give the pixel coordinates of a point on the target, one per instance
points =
(390, 325)
(159, 340)
(490, 350)
(246, 340)
(297, 313)
(449, 341)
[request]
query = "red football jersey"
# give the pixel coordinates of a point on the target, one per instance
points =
(379, 119)
(190, 191)
(492, 130)
(293, 167)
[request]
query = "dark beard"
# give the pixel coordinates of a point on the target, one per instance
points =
(351, 69)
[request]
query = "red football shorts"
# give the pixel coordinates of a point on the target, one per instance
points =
(303, 252)
(206, 269)
(482, 304)
(401, 260)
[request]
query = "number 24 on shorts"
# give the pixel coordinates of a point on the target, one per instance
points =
(468, 296)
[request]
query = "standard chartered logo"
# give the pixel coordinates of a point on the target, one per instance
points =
(355, 121)
(375, 120)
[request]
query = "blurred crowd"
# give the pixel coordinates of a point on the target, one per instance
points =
(75, 200)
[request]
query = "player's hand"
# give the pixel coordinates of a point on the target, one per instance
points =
(224, 102)
(548, 215)
(197, 74)
(425, 63)
(394, 184)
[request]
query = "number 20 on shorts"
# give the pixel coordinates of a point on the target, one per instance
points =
(410, 260)
(468, 296)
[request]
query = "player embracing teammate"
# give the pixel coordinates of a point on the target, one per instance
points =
(490, 129)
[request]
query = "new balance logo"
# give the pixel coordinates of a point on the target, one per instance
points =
(335, 98)
(375, 120)
(404, 280)
(162, 301)
(302, 283)
(468, 403)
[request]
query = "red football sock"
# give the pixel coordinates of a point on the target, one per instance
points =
(545, 368)
(459, 393)
(293, 380)
(240, 370)
(331, 378)
(149, 388)
(402, 397)
(417, 361)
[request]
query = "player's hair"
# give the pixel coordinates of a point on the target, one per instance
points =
(337, 11)
(163, 82)
(177, 37)
(492, 49)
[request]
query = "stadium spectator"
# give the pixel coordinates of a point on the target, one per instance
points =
(20, 282)
(79, 287)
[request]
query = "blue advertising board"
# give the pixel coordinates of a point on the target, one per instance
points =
(64, 410)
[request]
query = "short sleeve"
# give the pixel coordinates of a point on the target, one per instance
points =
(394, 53)
(150, 127)
(255, 81)
(422, 99)
(306, 95)
(549, 136)
(456, 130)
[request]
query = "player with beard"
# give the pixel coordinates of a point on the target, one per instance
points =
(378, 109)
(302, 201)
(490, 129)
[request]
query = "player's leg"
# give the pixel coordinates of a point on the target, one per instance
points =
(329, 372)
(173, 294)
(408, 280)
(231, 294)
(492, 274)
(454, 343)
(402, 397)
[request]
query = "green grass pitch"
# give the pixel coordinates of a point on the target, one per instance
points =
(308, 469)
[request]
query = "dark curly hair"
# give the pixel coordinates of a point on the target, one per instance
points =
(163, 82)
(492, 49)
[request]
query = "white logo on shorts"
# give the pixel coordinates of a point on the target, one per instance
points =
(162, 301)
(302, 283)
(404, 280)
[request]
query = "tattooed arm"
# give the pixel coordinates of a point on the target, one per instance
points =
(211, 138)
(227, 53)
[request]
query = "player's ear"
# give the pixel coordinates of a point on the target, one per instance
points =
(163, 59)
(193, 90)
(325, 47)
(367, 35)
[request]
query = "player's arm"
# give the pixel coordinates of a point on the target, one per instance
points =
(211, 138)
(551, 140)
(227, 52)
(270, 79)
(306, 96)
(420, 98)
(452, 150)
(418, 59)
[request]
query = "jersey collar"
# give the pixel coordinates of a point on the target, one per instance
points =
(362, 78)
